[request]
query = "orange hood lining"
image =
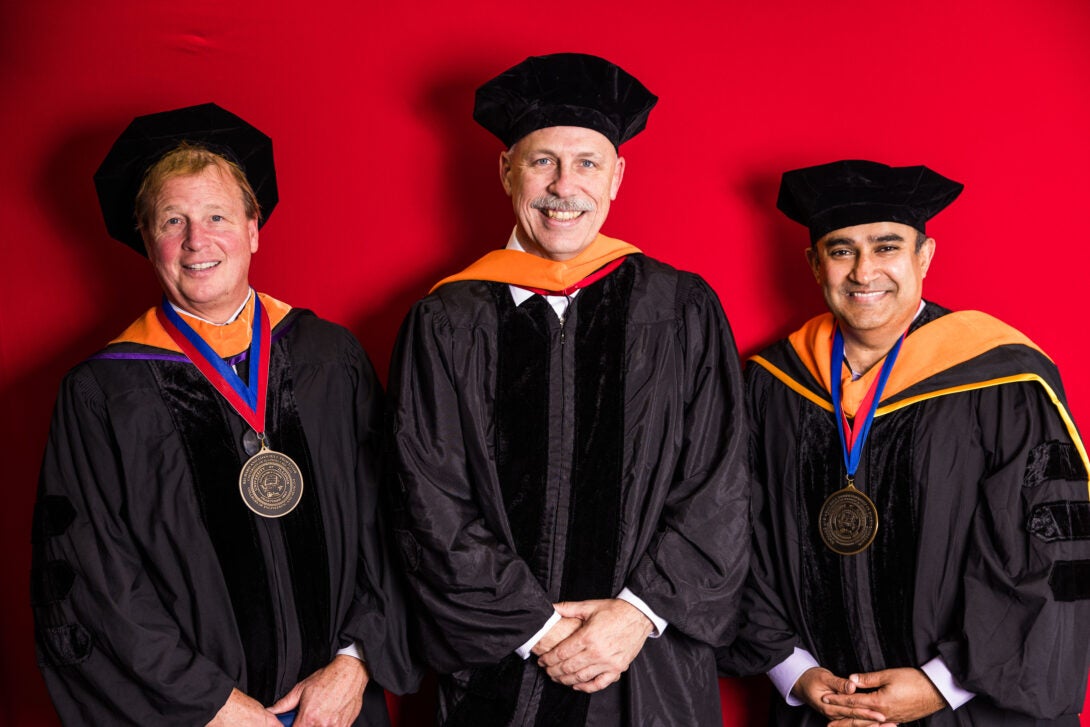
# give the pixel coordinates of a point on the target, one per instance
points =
(942, 344)
(515, 267)
(226, 341)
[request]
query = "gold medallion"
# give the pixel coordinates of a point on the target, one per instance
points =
(848, 521)
(271, 483)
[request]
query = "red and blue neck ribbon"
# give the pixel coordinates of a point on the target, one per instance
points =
(247, 400)
(852, 438)
(589, 280)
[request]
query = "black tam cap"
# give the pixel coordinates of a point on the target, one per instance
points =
(856, 192)
(564, 89)
(148, 138)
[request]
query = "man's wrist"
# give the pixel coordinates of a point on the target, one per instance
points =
(658, 623)
(786, 674)
(526, 649)
(939, 674)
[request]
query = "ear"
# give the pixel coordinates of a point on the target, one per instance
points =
(618, 175)
(505, 171)
(926, 255)
(251, 230)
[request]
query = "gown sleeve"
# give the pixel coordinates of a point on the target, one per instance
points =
(1025, 623)
(692, 573)
(765, 637)
(480, 596)
(378, 616)
(109, 650)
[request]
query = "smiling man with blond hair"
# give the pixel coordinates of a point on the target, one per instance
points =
(206, 546)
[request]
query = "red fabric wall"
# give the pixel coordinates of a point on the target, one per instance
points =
(387, 184)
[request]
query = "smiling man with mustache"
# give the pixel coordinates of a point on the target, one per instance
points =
(921, 519)
(569, 440)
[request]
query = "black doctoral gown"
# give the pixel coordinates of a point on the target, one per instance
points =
(155, 590)
(981, 556)
(540, 462)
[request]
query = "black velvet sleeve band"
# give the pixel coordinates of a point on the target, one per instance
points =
(1063, 520)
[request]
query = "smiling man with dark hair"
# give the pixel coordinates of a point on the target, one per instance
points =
(921, 516)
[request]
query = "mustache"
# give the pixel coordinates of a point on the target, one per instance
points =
(562, 204)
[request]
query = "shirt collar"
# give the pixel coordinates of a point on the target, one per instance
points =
(521, 295)
(228, 322)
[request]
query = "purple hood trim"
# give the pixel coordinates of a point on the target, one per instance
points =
(182, 358)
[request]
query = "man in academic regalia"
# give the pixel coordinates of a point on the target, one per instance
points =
(570, 492)
(921, 521)
(205, 542)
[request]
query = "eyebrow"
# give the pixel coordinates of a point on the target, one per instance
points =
(586, 153)
(204, 207)
(887, 237)
(839, 241)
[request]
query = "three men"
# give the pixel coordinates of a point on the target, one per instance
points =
(569, 440)
(921, 521)
(205, 540)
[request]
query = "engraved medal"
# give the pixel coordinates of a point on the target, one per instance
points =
(271, 484)
(848, 521)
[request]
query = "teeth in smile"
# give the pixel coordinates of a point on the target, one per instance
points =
(201, 266)
(867, 294)
(562, 215)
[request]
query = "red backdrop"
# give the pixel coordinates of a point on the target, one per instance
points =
(387, 184)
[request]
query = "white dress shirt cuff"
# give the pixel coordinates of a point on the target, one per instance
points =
(352, 650)
(937, 671)
(787, 672)
(657, 621)
(526, 649)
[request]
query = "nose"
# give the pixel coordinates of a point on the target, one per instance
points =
(196, 236)
(864, 269)
(563, 184)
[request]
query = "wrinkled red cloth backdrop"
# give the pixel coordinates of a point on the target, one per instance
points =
(387, 184)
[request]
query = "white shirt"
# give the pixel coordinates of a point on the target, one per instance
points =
(228, 322)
